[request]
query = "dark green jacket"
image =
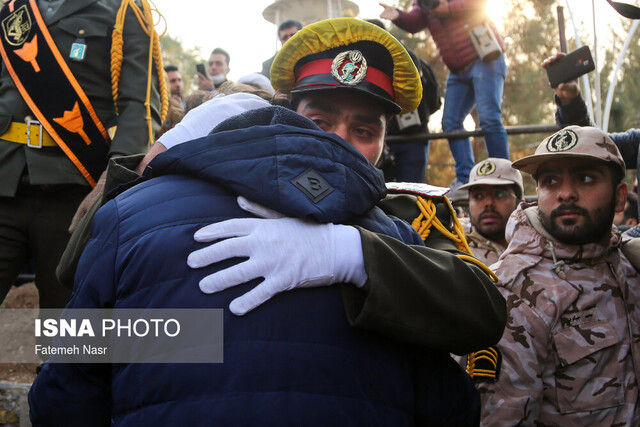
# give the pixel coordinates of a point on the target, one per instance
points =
(95, 19)
(425, 295)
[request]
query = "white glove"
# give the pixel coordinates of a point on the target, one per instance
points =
(202, 119)
(287, 252)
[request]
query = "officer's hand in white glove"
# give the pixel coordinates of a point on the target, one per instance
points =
(287, 252)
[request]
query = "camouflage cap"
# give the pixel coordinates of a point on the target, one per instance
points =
(494, 171)
(573, 141)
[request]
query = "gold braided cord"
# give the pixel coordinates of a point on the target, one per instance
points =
(489, 354)
(145, 20)
(428, 218)
(423, 224)
(480, 264)
(457, 227)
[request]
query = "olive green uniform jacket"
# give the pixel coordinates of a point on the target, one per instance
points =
(425, 295)
(94, 21)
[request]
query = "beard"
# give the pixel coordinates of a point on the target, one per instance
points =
(596, 225)
(493, 232)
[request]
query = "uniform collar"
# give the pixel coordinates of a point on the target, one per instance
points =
(70, 7)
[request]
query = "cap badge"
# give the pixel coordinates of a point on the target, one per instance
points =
(349, 68)
(487, 168)
(562, 141)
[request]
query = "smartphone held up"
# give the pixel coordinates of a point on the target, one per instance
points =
(570, 67)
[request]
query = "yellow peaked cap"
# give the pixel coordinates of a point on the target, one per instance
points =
(327, 39)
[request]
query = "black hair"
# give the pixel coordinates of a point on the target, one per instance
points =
(616, 174)
(631, 210)
(168, 68)
(294, 100)
(288, 24)
(221, 51)
(376, 22)
(518, 191)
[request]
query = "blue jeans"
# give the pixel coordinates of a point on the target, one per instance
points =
(480, 85)
(411, 160)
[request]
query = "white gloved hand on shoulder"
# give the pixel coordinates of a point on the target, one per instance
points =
(288, 253)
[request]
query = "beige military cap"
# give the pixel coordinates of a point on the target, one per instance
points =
(576, 142)
(494, 171)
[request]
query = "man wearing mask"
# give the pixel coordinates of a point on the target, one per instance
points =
(217, 67)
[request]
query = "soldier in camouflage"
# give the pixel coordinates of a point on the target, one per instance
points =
(495, 189)
(570, 353)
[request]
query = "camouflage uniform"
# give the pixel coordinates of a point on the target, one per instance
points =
(571, 348)
(484, 249)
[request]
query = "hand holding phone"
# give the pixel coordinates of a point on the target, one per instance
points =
(570, 66)
(200, 68)
(204, 82)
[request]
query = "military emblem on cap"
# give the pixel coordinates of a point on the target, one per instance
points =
(594, 144)
(349, 68)
(563, 140)
(487, 168)
(349, 54)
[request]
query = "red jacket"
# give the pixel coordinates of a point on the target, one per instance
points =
(450, 34)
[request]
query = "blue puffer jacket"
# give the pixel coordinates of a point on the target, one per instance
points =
(294, 360)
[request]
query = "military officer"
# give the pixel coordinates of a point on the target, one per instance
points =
(57, 105)
(350, 77)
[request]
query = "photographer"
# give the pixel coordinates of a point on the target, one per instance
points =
(476, 73)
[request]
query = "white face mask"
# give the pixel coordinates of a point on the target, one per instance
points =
(218, 78)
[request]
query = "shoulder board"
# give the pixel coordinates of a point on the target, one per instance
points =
(418, 189)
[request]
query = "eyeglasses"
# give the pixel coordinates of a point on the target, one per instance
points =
(496, 195)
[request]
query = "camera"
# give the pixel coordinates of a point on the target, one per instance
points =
(485, 42)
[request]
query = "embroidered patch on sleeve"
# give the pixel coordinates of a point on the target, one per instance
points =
(312, 185)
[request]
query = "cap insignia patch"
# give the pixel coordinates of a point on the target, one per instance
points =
(349, 68)
(562, 141)
(17, 26)
(487, 168)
